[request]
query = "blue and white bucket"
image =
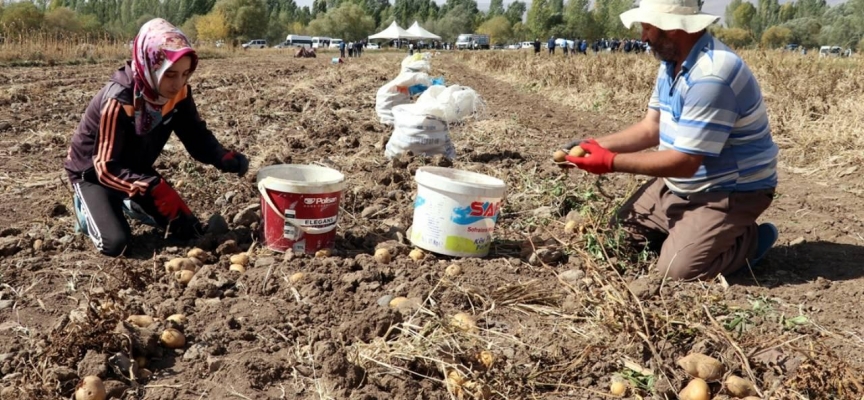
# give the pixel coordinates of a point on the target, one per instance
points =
(455, 211)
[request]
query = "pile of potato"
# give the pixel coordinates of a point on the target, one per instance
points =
(92, 388)
(182, 270)
(702, 369)
(384, 256)
(706, 369)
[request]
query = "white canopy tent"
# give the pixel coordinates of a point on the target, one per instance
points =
(394, 32)
(418, 30)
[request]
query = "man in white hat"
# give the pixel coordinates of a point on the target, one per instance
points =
(715, 169)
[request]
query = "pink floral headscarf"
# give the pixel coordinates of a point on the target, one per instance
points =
(157, 46)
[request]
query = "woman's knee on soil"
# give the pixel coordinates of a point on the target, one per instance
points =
(114, 246)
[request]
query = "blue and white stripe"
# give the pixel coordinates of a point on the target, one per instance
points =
(714, 108)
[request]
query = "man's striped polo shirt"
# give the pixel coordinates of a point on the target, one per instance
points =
(714, 108)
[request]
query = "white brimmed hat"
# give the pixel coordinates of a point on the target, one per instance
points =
(670, 15)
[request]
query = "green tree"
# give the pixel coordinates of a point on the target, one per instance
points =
(348, 22)
(498, 28)
(843, 31)
(810, 8)
(21, 17)
(469, 6)
(521, 32)
(787, 12)
(375, 8)
(496, 8)
(189, 27)
(618, 29)
(539, 16)
(580, 21)
(404, 11)
(456, 20)
(805, 31)
(767, 15)
(734, 37)
(89, 24)
(298, 29)
(775, 37)
(213, 26)
(53, 5)
(743, 16)
(246, 18)
(729, 14)
(304, 16)
(202, 7)
(319, 7)
(61, 21)
(607, 15)
(515, 12)
(280, 26)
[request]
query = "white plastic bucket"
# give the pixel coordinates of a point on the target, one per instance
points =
(299, 206)
(455, 211)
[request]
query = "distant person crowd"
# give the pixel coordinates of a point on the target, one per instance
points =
(354, 49)
(581, 46)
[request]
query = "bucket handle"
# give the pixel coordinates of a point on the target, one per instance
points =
(293, 221)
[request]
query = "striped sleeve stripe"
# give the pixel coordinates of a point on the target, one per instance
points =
(107, 131)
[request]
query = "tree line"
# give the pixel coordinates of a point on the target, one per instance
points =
(765, 23)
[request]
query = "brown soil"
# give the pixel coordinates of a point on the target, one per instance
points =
(557, 329)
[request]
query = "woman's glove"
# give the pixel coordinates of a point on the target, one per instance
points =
(235, 162)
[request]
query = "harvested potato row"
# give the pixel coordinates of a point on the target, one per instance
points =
(383, 256)
(90, 388)
(240, 259)
(180, 264)
(703, 367)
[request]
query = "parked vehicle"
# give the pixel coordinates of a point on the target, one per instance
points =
(830, 51)
(320, 42)
(298, 41)
(334, 43)
(372, 46)
(472, 41)
(255, 44)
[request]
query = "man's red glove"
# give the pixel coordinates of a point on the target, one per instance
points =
(168, 202)
(597, 161)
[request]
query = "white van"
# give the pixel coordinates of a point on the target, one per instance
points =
(830, 51)
(298, 41)
(334, 43)
(320, 42)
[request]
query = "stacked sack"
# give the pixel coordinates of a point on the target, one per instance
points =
(413, 79)
(399, 91)
(423, 127)
(418, 62)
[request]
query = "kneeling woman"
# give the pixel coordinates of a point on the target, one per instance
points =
(123, 132)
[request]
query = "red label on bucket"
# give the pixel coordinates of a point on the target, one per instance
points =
(302, 222)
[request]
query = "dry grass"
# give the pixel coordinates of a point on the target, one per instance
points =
(600, 327)
(814, 104)
(41, 48)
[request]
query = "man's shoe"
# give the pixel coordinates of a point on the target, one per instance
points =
(766, 237)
